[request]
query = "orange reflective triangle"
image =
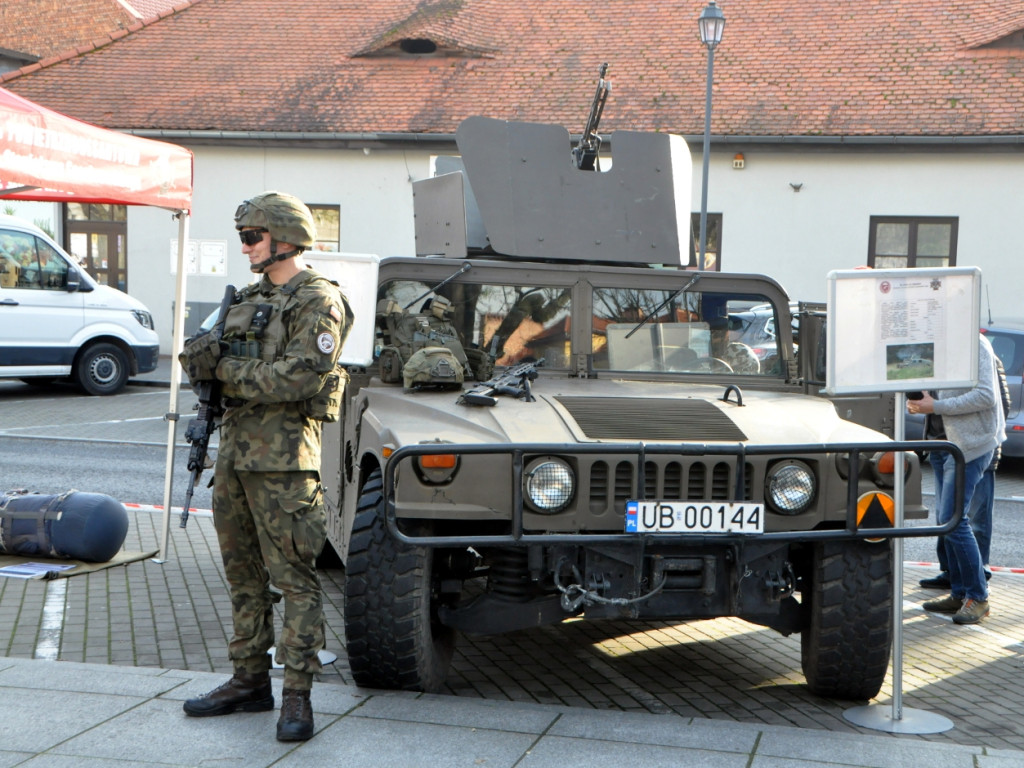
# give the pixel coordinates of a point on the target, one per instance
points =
(876, 510)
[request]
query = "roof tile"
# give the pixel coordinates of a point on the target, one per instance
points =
(784, 67)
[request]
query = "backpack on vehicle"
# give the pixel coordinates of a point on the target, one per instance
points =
(405, 334)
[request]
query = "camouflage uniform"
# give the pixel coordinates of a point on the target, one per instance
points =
(267, 499)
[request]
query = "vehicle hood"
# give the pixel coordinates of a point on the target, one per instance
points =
(105, 297)
(589, 410)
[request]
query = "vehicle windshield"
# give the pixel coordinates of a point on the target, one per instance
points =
(513, 323)
(689, 332)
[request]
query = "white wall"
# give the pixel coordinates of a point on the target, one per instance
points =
(374, 193)
(798, 237)
(795, 237)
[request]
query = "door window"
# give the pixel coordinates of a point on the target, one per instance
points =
(28, 262)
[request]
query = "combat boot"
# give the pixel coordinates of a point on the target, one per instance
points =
(296, 721)
(245, 692)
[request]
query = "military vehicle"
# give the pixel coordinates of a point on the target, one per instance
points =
(552, 419)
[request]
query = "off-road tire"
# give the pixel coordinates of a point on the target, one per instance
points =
(845, 646)
(393, 637)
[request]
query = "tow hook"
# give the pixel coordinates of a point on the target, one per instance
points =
(780, 583)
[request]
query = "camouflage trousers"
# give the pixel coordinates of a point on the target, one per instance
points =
(271, 528)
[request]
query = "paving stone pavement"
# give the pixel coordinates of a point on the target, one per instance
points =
(134, 640)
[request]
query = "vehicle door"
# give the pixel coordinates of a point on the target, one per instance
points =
(40, 307)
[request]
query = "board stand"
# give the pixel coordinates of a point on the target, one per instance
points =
(897, 718)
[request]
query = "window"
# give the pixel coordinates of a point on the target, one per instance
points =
(513, 323)
(327, 219)
(693, 332)
(713, 251)
(896, 242)
(27, 262)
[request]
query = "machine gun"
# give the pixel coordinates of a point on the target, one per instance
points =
(515, 381)
(209, 410)
(585, 153)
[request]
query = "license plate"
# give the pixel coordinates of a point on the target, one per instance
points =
(694, 517)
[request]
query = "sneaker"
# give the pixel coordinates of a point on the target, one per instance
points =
(971, 612)
(936, 582)
(947, 604)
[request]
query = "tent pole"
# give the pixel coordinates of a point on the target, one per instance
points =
(172, 409)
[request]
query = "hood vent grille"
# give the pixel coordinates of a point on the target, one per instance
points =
(628, 418)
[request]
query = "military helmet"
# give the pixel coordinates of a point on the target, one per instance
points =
(433, 367)
(285, 216)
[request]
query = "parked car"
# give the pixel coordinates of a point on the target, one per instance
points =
(1007, 339)
(57, 322)
(755, 328)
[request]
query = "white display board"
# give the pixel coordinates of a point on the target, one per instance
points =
(356, 274)
(902, 330)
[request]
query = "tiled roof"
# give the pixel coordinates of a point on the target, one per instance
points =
(49, 27)
(857, 68)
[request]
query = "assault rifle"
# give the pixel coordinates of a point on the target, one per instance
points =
(585, 153)
(515, 381)
(209, 410)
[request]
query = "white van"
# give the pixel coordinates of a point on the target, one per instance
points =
(56, 321)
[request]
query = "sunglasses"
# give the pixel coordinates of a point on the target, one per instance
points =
(251, 237)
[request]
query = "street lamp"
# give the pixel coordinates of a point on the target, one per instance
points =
(711, 23)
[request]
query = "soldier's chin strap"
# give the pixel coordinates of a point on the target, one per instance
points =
(262, 265)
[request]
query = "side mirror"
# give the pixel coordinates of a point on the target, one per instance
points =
(75, 281)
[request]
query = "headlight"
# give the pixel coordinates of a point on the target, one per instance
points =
(549, 485)
(790, 487)
(145, 319)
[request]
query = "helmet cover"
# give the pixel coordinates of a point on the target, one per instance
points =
(286, 217)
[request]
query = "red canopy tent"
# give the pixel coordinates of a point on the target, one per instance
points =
(47, 156)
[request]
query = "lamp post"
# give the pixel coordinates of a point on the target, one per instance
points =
(711, 23)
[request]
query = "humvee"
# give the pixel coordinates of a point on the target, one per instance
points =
(586, 438)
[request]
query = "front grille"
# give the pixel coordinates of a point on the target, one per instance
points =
(612, 483)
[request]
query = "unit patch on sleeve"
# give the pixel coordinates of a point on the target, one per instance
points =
(325, 343)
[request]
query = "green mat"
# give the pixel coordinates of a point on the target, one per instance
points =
(60, 569)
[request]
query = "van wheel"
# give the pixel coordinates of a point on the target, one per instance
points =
(846, 643)
(392, 633)
(101, 369)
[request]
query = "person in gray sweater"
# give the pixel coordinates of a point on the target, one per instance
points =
(973, 421)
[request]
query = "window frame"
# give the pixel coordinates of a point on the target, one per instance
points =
(714, 246)
(914, 223)
(321, 241)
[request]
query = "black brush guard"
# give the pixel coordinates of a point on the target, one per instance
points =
(642, 450)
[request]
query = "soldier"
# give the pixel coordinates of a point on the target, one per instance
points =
(277, 367)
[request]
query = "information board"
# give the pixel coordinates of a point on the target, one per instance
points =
(902, 330)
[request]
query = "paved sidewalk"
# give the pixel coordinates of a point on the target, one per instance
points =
(93, 670)
(58, 714)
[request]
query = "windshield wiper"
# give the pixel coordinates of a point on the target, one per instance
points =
(663, 304)
(466, 266)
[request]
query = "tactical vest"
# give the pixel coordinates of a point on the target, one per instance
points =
(255, 327)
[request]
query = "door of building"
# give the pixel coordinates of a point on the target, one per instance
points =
(97, 235)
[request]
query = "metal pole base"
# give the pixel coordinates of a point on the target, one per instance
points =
(880, 718)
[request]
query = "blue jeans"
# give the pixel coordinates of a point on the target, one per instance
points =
(966, 574)
(981, 519)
